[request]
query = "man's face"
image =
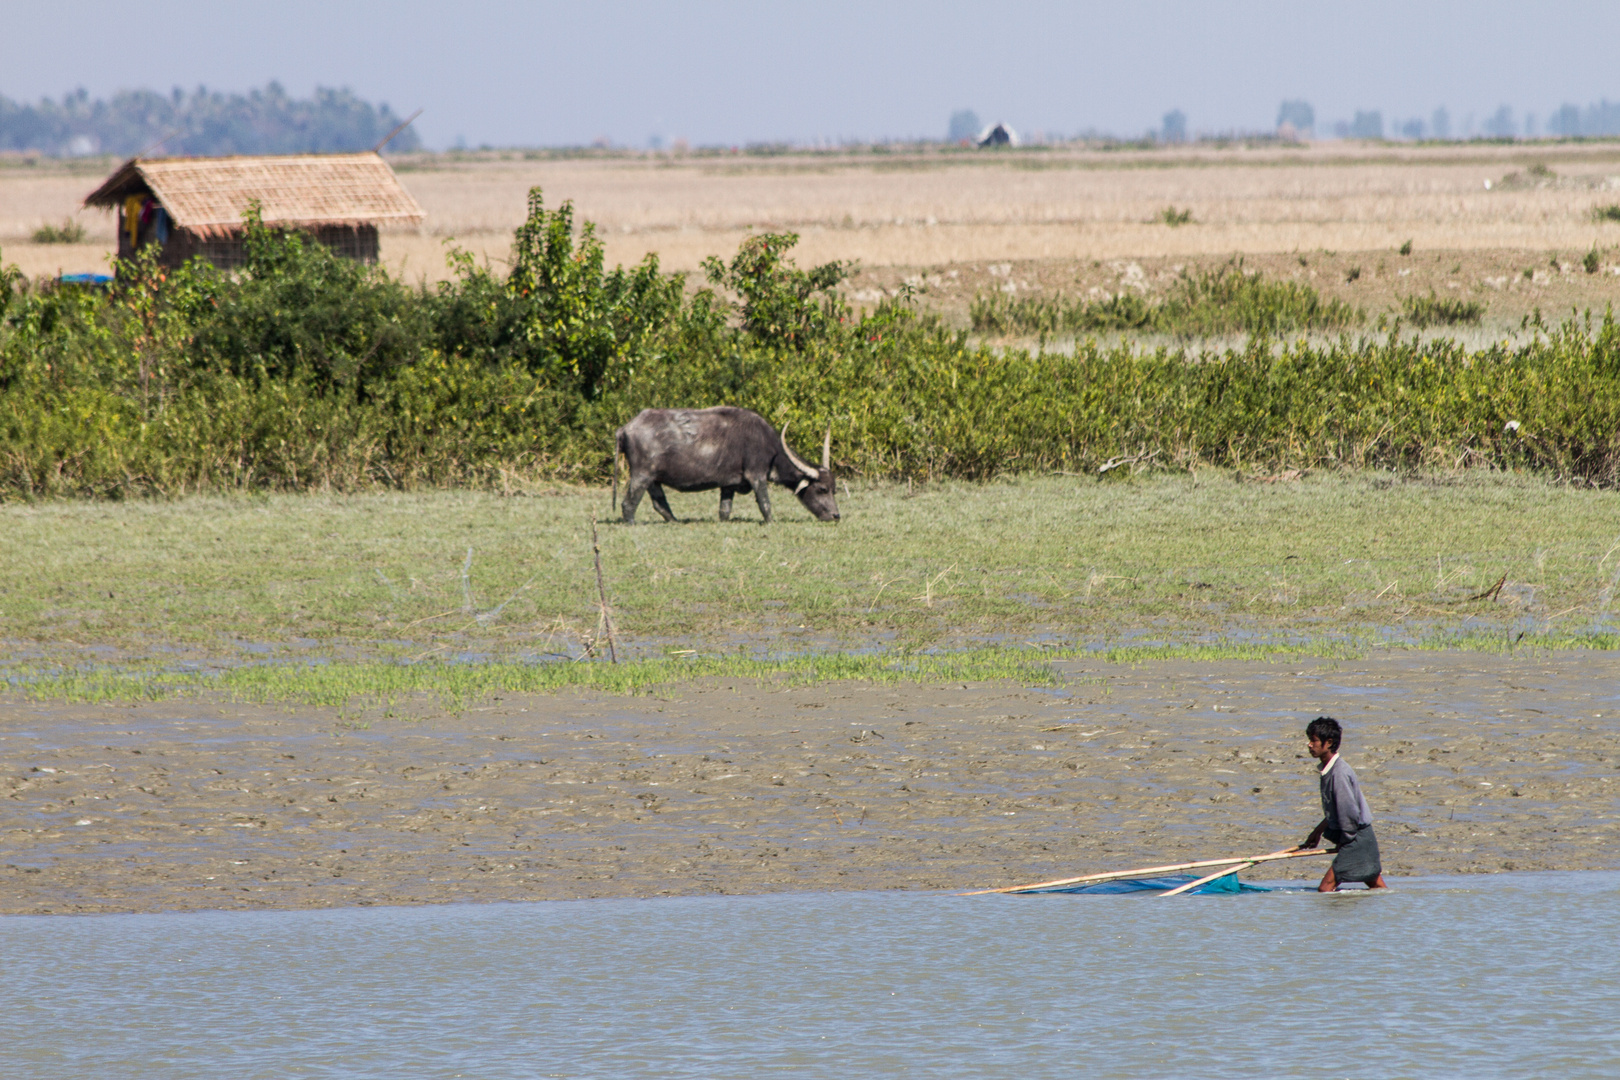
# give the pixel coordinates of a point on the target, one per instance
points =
(1318, 749)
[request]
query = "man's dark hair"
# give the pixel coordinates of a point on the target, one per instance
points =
(1325, 729)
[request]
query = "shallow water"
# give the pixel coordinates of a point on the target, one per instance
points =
(1503, 975)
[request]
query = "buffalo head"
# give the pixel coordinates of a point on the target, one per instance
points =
(816, 487)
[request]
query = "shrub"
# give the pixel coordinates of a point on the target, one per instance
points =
(1606, 213)
(1173, 217)
(186, 380)
(1592, 262)
(573, 319)
(296, 310)
(782, 306)
(11, 280)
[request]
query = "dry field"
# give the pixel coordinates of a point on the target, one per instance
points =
(1059, 219)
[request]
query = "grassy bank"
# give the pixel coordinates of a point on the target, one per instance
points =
(1058, 560)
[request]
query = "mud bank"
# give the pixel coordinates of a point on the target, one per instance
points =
(1473, 763)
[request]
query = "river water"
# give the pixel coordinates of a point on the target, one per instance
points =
(1505, 975)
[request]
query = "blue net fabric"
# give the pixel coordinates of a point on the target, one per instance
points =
(1227, 884)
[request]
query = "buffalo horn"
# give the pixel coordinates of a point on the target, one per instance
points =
(800, 465)
(826, 451)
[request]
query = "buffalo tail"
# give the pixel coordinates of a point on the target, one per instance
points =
(618, 448)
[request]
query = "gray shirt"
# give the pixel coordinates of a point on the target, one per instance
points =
(1344, 808)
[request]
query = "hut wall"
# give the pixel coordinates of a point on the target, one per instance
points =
(358, 242)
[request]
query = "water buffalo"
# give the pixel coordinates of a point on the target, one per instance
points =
(731, 449)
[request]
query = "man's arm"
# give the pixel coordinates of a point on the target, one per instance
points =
(1315, 837)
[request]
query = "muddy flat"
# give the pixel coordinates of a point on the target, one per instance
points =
(1472, 763)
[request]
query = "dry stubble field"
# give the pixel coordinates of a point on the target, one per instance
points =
(1034, 220)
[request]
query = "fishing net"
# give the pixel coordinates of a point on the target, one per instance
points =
(1227, 884)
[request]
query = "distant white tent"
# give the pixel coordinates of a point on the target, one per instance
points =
(998, 135)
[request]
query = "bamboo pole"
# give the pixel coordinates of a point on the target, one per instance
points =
(1206, 879)
(1148, 871)
(601, 594)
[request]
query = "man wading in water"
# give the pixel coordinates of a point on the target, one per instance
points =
(1346, 820)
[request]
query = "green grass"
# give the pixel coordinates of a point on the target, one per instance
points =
(348, 684)
(1335, 560)
(1606, 213)
(343, 683)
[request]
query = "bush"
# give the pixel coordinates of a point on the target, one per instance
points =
(296, 311)
(782, 305)
(11, 280)
(304, 371)
(1606, 213)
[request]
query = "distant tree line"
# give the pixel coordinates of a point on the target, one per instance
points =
(203, 123)
(1602, 118)
(1596, 120)
(1296, 118)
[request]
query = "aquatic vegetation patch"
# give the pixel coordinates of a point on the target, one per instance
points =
(340, 683)
(1210, 303)
(1432, 310)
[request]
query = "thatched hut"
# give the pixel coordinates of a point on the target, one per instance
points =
(998, 135)
(194, 206)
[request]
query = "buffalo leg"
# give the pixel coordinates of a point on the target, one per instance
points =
(632, 499)
(661, 504)
(726, 495)
(762, 495)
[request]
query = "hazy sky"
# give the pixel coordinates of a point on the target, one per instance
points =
(506, 72)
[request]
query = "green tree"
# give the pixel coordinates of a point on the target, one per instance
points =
(570, 316)
(782, 306)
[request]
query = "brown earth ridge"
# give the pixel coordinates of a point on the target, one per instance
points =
(1472, 763)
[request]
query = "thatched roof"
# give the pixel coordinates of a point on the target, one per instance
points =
(209, 195)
